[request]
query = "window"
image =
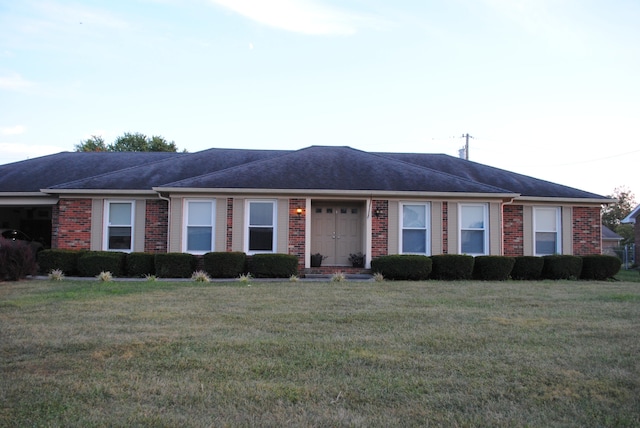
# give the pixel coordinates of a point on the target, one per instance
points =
(473, 229)
(414, 238)
(546, 222)
(119, 229)
(199, 233)
(261, 237)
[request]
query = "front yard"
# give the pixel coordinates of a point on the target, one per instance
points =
(548, 353)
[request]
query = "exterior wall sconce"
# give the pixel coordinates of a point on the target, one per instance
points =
(377, 213)
(299, 211)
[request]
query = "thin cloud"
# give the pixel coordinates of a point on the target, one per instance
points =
(13, 130)
(298, 16)
(14, 82)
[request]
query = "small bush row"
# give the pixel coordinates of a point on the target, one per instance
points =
(454, 267)
(167, 265)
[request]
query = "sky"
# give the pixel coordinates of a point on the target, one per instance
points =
(545, 88)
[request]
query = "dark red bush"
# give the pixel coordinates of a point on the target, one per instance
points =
(17, 260)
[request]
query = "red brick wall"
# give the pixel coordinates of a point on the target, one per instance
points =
(587, 238)
(297, 223)
(229, 239)
(72, 225)
(156, 226)
(380, 228)
(445, 228)
(513, 230)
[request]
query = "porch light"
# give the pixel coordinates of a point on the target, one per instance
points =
(377, 213)
(299, 211)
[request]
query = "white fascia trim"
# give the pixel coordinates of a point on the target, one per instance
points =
(563, 200)
(98, 192)
(37, 199)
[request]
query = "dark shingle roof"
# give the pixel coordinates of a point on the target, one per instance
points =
(312, 168)
(335, 168)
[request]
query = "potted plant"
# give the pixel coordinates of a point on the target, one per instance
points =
(356, 259)
(316, 259)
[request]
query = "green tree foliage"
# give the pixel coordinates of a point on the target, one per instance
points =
(93, 144)
(129, 142)
(614, 213)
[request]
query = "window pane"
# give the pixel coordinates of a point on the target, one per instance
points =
(472, 242)
(414, 241)
(119, 238)
(261, 213)
(546, 243)
(120, 214)
(472, 217)
(200, 213)
(414, 216)
(198, 239)
(260, 239)
(546, 220)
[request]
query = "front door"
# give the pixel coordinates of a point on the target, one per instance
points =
(336, 231)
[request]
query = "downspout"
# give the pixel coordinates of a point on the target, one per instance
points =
(168, 220)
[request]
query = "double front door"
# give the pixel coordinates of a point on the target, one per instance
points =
(336, 231)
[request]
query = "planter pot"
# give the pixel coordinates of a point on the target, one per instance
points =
(316, 261)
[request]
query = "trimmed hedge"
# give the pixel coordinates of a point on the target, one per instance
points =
(65, 260)
(225, 264)
(273, 265)
(451, 267)
(93, 262)
(561, 267)
(527, 268)
(175, 265)
(599, 267)
(17, 260)
(492, 268)
(140, 264)
(403, 266)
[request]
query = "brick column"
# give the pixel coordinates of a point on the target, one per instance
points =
(379, 228)
(513, 230)
(229, 238)
(297, 224)
(73, 220)
(445, 228)
(587, 231)
(156, 226)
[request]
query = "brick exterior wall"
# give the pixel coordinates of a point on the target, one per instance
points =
(445, 228)
(229, 239)
(72, 224)
(587, 233)
(380, 228)
(513, 230)
(156, 226)
(297, 223)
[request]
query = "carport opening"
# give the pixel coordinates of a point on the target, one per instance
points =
(35, 221)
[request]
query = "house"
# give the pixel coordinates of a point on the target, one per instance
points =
(610, 241)
(320, 199)
(632, 218)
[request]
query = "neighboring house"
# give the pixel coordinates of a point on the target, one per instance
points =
(329, 200)
(633, 219)
(610, 241)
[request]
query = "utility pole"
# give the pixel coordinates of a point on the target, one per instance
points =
(466, 145)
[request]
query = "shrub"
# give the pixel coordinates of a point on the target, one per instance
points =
(93, 262)
(451, 267)
(527, 268)
(273, 265)
(16, 260)
(561, 267)
(599, 267)
(402, 267)
(492, 268)
(225, 264)
(200, 276)
(139, 265)
(174, 265)
(64, 260)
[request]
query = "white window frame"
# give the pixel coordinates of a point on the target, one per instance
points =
(426, 228)
(558, 231)
(186, 225)
(485, 229)
(108, 225)
(248, 225)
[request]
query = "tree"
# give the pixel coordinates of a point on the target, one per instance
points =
(129, 142)
(93, 144)
(614, 213)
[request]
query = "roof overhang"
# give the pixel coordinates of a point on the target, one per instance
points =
(633, 216)
(99, 192)
(556, 200)
(26, 198)
(332, 192)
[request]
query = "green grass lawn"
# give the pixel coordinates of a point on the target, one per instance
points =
(85, 353)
